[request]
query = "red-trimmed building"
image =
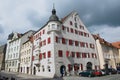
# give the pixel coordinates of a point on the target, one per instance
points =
(63, 46)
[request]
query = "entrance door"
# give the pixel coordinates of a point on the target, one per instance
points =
(62, 70)
(89, 66)
(27, 70)
(34, 71)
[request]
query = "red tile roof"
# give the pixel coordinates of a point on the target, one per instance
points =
(116, 44)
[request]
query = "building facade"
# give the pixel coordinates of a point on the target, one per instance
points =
(108, 54)
(63, 47)
(2, 57)
(26, 57)
(14, 43)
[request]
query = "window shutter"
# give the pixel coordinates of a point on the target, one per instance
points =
(40, 56)
(67, 53)
(49, 40)
(63, 40)
(60, 54)
(49, 54)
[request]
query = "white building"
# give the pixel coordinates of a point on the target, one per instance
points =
(26, 57)
(12, 59)
(64, 46)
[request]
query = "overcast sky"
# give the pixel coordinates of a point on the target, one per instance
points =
(100, 16)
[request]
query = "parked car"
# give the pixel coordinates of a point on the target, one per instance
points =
(118, 70)
(112, 71)
(87, 73)
(98, 73)
(103, 72)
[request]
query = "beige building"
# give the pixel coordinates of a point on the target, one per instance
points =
(26, 57)
(117, 45)
(108, 54)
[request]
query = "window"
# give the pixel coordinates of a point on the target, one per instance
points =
(44, 55)
(71, 30)
(49, 40)
(73, 54)
(87, 45)
(63, 41)
(40, 56)
(76, 43)
(40, 43)
(53, 26)
(63, 27)
(76, 32)
(44, 42)
(75, 25)
(49, 54)
(49, 70)
(77, 54)
(43, 31)
(71, 23)
(67, 29)
(70, 42)
(56, 39)
(60, 53)
(69, 67)
(67, 53)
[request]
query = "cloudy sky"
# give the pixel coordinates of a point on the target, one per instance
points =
(100, 16)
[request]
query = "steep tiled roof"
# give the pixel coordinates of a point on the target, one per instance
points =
(102, 41)
(116, 44)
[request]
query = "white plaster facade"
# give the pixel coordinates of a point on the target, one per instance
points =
(64, 47)
(12, 58)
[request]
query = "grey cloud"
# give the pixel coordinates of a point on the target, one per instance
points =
(1, 29)
(34, 18)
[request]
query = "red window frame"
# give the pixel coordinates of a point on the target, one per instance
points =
(77, 54)
(49, 54)
(76, 43)
(40, 56)
(71, 29)
(70, 42)
(67, 53)
(63, 40)
(49, 40)
(56, 39)
(73, 54)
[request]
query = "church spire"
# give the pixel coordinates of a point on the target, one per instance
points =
(53, 17)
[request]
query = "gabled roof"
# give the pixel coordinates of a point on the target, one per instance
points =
(116, 44)
(65, 18)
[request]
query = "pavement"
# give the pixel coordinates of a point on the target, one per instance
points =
(19, 76)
